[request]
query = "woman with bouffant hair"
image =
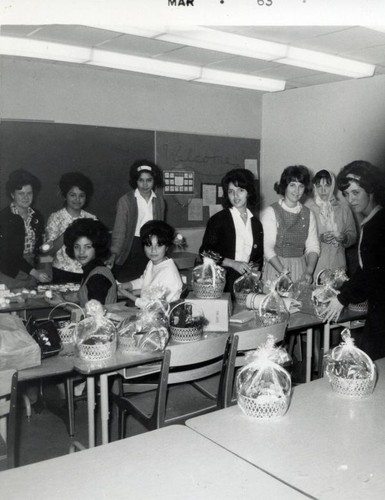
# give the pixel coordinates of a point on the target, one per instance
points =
(21, 233)
(88, 242)
(235, 232)
(291, 240)
(363, 187)
(76, 190)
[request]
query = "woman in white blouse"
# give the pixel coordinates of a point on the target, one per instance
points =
(291, 242)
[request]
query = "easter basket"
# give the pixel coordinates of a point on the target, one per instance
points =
(351, 372)
(208, 279)
(248, 283)
(263, 385)
(96, 337)
(186, 322)
(361, 307)
(66, 328)
(147, 331)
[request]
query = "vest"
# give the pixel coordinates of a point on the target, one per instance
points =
(292, 231)
(111, 295)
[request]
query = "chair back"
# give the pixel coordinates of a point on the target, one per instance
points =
(8, 396)
(241, 343)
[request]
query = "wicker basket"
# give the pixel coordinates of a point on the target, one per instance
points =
(126, 343)
(240, 297)
(361, 307)
(352, 388)
(262, 408)
(208, 291)
(97, 352)
(67, 331)
(186, 334)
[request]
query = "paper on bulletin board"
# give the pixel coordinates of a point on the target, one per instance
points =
(195, 209)
(213, 209)
(252, 165)
(209, 194)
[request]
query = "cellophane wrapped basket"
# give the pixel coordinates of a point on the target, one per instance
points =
(271, 309)
(328, 282)
(186, 322)
(66, 328)
(350, 371)
(263, 385)
(147, 331)
(208, 279)
(360, 307)
(248, 283)
(96, 337)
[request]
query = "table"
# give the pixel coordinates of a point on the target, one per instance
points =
(327, 446)
(169, 463)
(102, 370)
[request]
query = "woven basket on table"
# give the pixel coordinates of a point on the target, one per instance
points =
(208, 291)
(361, 307)
(262, 408)
(97, 352)
(240, 297)
(352, 388)
(187, 334)
(66, 328)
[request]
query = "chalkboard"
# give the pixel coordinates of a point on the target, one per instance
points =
(105, 155)
(48, 150)
(209, 157)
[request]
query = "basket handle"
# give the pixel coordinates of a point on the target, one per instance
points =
(183, 303)
(317, 282)
(61, 304)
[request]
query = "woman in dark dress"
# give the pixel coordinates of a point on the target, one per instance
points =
(235, 232)
(21, 233)
(362, 185)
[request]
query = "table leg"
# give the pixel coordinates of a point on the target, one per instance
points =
(326, 337)
(104, 410)
(309, 353)
(91, 411)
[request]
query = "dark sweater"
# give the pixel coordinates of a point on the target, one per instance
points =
(12, 235)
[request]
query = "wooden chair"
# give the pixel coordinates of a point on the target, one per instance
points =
(8, 395)
(240, 344)
(182, 363)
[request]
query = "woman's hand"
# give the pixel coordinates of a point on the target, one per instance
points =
(307, 278)
(340, 237)
(40, 276)
(125, 286)
(333, 310)
(327, 237)
(110, 261)
(241, 267)
(54, 298)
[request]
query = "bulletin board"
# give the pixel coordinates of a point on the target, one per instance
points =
(208, 158)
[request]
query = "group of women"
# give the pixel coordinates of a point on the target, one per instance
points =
(293, 237)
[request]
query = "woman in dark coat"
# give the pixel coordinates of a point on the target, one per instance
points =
(21, 233)
(235, 232)
(363, 187)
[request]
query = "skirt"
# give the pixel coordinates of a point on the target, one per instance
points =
(296, 266)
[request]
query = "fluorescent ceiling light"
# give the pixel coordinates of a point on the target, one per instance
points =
(240, 80)
(183, 71)
(320, 61)
(25, 47)
(145, 31)
(144, 65)
(229, 43)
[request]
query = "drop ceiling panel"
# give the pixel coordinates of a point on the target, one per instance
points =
(193, 55)
(138, 45)
(84, 36)
(240, 64)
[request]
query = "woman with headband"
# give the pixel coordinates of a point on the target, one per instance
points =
(362, 184)
(139, 205)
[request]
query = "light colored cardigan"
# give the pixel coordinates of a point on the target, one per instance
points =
(125, 223)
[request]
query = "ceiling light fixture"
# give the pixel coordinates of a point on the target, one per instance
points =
(320, 61)
(230, 43)
(25, 47)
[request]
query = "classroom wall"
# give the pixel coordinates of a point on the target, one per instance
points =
(324, 126)
(38, 90)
